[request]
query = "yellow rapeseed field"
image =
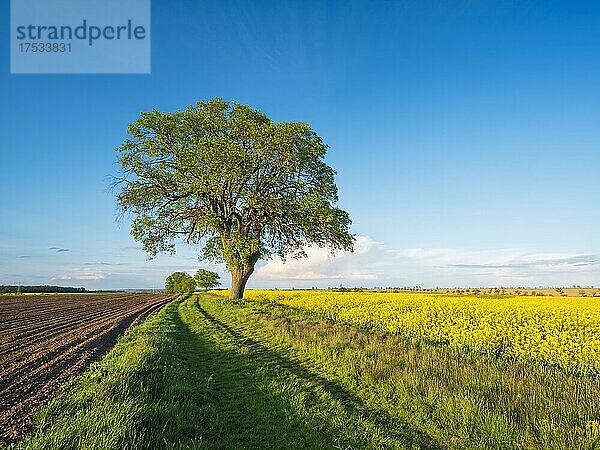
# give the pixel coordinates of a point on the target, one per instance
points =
(557, 331)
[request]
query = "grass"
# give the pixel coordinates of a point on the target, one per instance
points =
(208, 373)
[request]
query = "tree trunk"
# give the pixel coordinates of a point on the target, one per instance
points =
(239, 278)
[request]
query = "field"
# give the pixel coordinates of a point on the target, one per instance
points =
(210, 373)
(44, 340)
(534, 292)
(556, 332)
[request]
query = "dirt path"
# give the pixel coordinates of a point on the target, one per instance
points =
(45, 340)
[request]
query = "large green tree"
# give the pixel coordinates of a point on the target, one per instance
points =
(225, 176)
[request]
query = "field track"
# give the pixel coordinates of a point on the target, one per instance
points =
(45, 340)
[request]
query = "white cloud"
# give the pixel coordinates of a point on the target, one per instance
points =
(372, 264)
(321, 265)
(87, 273)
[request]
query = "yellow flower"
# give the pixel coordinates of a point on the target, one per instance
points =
(558, 331)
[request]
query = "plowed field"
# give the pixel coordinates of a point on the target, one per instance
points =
(44, 340)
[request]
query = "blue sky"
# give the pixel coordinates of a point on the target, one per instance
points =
(465, 136)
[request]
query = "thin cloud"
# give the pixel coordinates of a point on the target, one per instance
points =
(103, 263)
(82, 274)
(127, 248)
(59, 249)
(537, 261)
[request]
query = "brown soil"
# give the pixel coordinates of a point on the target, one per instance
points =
(45, 340)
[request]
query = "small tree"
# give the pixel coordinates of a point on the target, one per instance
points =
(180, 283)
(227, 177)
(206, 279)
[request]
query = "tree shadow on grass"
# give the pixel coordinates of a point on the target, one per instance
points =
(260, 357)
(188, 380)
(199, 391)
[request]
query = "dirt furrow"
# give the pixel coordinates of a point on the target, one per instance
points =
(43, 312)
(58, 316)
(76, 331)
(46, 335)
(69, 341)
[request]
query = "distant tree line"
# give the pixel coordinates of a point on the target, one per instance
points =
(39, 289)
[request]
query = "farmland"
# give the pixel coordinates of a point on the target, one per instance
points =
(208, 372)
(44, 340)
(556, 332)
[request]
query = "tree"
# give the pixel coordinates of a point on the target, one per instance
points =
(206, 279)
(180, 283)
(225, 176)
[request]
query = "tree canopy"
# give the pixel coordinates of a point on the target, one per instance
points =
(225, 176)
(180, 283)
(206, 279)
